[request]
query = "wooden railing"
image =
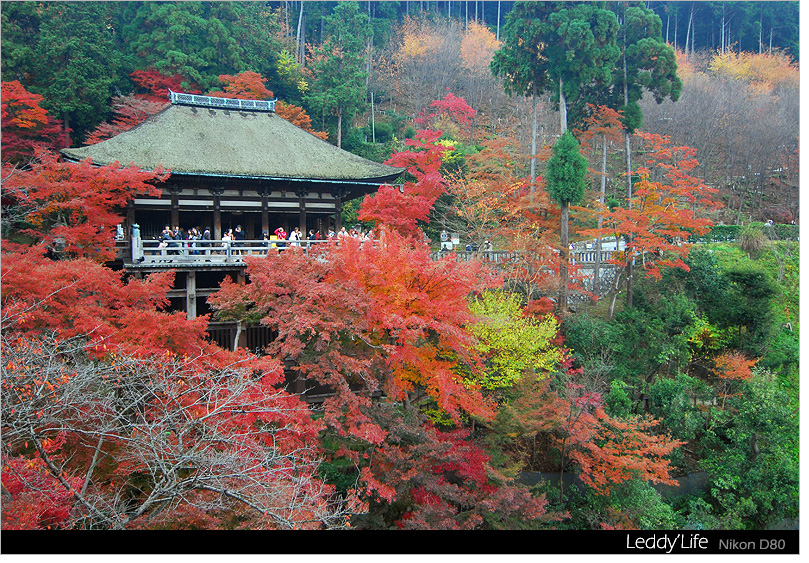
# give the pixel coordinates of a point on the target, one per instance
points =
(581, 257)
(211, 252)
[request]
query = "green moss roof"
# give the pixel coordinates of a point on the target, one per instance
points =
(207, 141)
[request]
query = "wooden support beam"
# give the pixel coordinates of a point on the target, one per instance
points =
(191, 294)
(217, 219)
(265, 214)
(302, 210)
(175, 207)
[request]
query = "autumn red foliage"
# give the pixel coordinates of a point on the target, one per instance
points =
(157, 84)
(75, 206)
(247, 85)
(383, 328)
(118, 413)
(450, 106)
(401, 210)
(606, 450)
(663, 215)
(26, 126)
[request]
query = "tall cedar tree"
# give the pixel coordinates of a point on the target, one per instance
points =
(566, 178)
(646, 63)
(519, 62)
(338, 66)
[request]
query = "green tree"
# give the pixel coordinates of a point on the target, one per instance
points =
(581, 50)
(748, 305)
(560, 46)
(65, 52)
(520, 61)
(338, 66)
(754, 465)
(646, 63)
(267, 49)
(192, 39)
(566, 179)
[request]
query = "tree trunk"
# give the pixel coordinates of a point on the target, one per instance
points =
(302, 44)
(373, 121)
(298, 34)
(688, 33)
(742, 193)
(238, 335)
(614, 292)
(628, 142)
(562, 108)
(564, 235)
(676, 20)
(562, 472)
(534, 141)
(339, 126)
(761, 30)
(66, 123)
(601, 199)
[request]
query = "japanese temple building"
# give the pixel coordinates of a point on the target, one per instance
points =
(232, 162)
(235, 162)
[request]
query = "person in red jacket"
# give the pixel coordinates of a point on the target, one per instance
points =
(282, 235)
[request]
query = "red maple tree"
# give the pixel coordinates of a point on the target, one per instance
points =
(402, 209)
(74, 206)
(117, 413)
(26, 127)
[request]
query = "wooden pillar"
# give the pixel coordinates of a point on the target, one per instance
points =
(265, 214)
(175, 207)
(130, 219)
(250, 226)
(217, 219)
(302, 210)
(191, 295)
(339, 193)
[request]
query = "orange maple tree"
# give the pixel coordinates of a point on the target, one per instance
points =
(664, 212)
(247, 85)
(382, 328)
(607, 450)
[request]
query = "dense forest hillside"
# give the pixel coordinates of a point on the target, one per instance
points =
(619, 314)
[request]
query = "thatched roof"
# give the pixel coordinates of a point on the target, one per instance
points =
(233, 143)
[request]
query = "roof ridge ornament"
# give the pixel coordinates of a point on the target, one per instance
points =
(181, 98)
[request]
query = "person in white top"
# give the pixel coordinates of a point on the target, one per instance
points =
(227, 238)
(295, 236)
